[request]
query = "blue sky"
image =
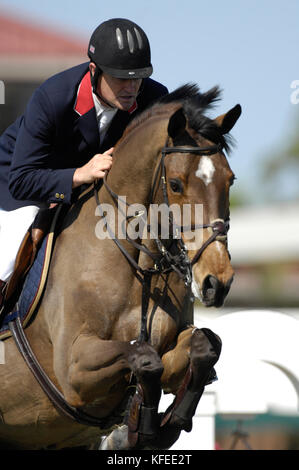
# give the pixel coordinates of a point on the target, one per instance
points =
(250, 48)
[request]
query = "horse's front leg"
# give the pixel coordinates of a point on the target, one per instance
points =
(190, 362)
(205, 350)
(98, 370)
(187, 369)
(142, 422)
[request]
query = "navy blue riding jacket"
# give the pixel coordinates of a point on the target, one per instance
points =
(58, 133)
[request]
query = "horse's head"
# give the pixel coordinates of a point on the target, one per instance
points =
(202, 177)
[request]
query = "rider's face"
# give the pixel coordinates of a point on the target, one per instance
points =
(120, 93)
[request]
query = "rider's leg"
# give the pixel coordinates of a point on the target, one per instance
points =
(13, 226)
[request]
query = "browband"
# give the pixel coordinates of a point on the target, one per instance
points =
(198, 150)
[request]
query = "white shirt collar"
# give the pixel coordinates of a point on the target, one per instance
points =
(100, 108)
(104, 115)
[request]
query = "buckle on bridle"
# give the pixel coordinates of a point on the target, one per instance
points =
(220, 227)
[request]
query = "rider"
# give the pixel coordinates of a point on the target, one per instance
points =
(66, 136)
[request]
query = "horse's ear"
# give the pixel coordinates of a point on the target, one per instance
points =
(177, 124)
(227, 121)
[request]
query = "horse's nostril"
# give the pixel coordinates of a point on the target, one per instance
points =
(213, 291)
(213, 281)
(210, 283)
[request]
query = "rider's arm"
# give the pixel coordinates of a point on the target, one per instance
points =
(33, 175)
(39, 169)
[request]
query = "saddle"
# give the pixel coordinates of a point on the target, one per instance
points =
(26, 256)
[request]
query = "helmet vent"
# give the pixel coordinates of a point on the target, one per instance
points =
(119, 38)
(139, 38)
(130, 41)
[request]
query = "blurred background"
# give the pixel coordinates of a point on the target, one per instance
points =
(249, 49)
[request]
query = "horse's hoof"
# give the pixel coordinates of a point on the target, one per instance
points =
(205, 348)
(117, 440)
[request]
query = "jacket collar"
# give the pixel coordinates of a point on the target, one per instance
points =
(84, 101)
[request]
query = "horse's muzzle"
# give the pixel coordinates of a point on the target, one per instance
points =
(214, 292)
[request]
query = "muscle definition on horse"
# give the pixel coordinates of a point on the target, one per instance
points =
(109, 341)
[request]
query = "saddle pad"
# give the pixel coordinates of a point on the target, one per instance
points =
(34, 284)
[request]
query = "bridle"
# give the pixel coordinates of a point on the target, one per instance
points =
(165, 260)
(219, 227)
(172, 258)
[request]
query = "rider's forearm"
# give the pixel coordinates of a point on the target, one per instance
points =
(42, 185)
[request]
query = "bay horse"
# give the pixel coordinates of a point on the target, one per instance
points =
(115, 324)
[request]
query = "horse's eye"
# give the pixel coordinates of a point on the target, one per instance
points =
(176, 186)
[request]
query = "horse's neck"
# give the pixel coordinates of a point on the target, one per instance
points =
(135, 159)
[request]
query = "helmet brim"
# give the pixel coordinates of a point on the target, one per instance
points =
(128, 74)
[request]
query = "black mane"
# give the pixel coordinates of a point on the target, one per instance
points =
(195, 104)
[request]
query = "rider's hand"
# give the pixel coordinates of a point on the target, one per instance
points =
(94, 169)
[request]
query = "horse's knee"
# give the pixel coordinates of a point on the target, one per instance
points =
(145, 361)
(85, 386)
(205, 348)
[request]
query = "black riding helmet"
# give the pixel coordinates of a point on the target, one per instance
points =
(120, 48)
